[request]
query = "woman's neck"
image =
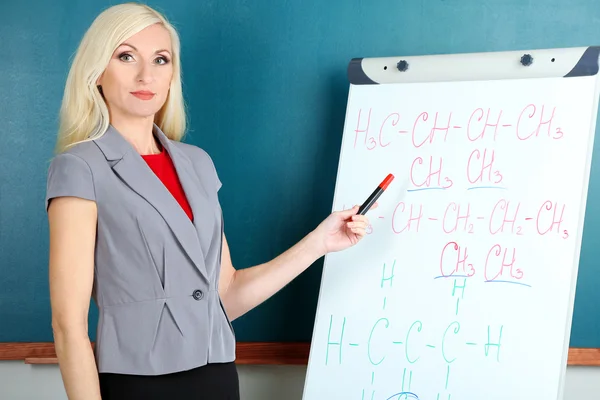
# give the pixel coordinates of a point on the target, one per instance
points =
(139, 133)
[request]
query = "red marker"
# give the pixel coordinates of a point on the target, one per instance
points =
(375, 195)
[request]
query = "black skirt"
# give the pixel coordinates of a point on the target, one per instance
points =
(209, 382)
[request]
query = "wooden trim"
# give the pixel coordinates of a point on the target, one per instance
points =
(584, 357)
(24, 351)
(248, 353)
(272, 353)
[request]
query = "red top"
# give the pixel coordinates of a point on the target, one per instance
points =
(163, 167)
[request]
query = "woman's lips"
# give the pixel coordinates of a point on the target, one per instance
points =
(143, 95)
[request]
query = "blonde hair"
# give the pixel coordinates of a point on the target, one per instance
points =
(84, 114)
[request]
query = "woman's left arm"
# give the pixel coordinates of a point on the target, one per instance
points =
(242, 290)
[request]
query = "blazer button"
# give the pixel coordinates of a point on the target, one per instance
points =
(198, 295)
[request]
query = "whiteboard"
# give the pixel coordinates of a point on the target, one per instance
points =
(464, 286)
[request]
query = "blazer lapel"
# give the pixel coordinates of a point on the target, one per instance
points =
(133, 171)
(195, 191)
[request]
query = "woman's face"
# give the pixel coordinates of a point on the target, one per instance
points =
(137, 79)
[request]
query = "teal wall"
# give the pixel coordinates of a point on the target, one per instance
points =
(266, 86)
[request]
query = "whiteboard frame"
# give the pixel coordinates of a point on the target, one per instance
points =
(503, 65)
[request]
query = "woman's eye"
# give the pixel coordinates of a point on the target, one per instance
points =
(128, 57)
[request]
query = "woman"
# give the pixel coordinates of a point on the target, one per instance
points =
(135, 223)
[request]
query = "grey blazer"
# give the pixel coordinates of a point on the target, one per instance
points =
(155, 273)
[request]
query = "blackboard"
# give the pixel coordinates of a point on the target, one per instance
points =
(266, 85)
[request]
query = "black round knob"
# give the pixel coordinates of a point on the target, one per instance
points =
(402, 65)
(526, 60)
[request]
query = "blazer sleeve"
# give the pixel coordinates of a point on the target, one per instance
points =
(216, 175)
(69, 175)
(205, 167)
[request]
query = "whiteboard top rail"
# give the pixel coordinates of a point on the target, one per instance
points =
(517, 64)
